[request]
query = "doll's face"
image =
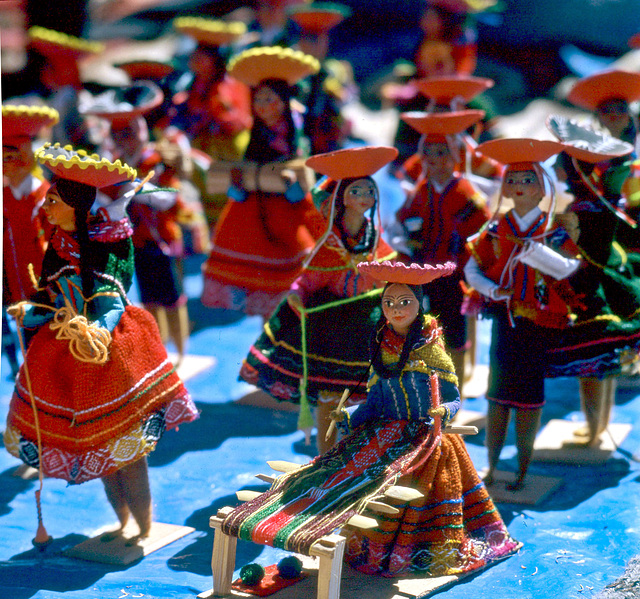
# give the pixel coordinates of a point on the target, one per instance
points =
(268, 106)
(437, 161)
(614, 115)
(524, 188)
(130, 139)
(57, 212)
(17, 161)
(360, 196)
(400, 307)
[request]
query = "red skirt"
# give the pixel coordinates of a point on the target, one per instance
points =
(96, 418)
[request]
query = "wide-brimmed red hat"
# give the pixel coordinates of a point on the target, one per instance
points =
(634, 41)
(407, 274)
(120, 105)
(153, 70)
(210, 32)
(592, 91)
(444, 89)
(272, 62)
(584, 143)
(352, 162)
(80, 166)
(318, 17)
(440, 124)
(19, 120)
(521, 149)
(55, 44)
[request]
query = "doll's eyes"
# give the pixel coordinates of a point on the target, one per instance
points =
(523, 181)
(390, 304)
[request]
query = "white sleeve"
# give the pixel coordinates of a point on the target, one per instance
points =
(478, 281)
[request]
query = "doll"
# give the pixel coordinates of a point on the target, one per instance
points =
(96, 390)
(438, 217)
(527, 310)
(394, 437)
(606, 287)
(309, 361)
(262, 237)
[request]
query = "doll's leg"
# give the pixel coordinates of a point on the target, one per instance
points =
(497, 424)
(135, 487)
(115, 494)
(178, 322)
(609, 399)
(592, 392)
(527, 425)
(160, 315)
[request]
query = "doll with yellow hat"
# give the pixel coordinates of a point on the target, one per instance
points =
(96, 390)
(302, 356)
(263, 235)
(438, 216)
(516, 261)
(396, 436)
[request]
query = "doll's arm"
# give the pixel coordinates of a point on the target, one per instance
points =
(109, 309)
(474, 276)
(450, 401)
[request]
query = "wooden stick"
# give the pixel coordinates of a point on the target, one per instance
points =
(332, 425)
(362, 522)
(283, 466)
(267, 478)
(247, 495)
(381, 507)
(461, 430)
(403, 493)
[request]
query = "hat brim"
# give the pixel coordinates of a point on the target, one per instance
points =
(210, 32)
(352, 162)
(26, 121)
(522, 149)
(90, 169)
(273, 62)
(442, 123)
(146, 69)
(585, 143)
(464, 6)
(317, 21)
(407, 274)
(55, 44)
(592, 91)
(444, 89)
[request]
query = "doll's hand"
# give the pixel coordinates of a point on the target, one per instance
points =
(18, 311)
(501, 294)
(337, 415)
(289, 176)
(439, 411)
(295, 303)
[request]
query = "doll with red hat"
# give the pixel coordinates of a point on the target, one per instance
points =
(516, 259)
(605, 338)
(24, 228)
(328, 90)
(439, 215)
(394, 437)
(303, 356)
(263, 235)
(96, 390)
(156, 216)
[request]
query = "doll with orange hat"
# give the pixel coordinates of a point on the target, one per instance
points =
(156, 216)
(96, 390)
(515, 263)
(395, 437)
(24, 228)
(328, 90)
(439, 215)
(302, 356)
(263, 234)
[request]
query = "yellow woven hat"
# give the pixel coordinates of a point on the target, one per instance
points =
(210, 32)
(272, 62)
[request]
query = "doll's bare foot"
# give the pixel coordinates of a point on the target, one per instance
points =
(516, 485)
(137, 539)
(107, 537)
(586, 441)
(488, 479)
(583, 431)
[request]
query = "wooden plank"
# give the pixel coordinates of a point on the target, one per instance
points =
(556, 443)
(535, 489)
(118, 551)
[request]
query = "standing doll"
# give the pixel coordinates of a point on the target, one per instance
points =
(262, 237)
(302, 355)
(96, 390)
(528, 313)
(24, 226)
(440, 214)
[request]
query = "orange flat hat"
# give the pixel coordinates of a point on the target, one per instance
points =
(120, 105)
(591, 91)
(80, 166)
(210, 32)
(352, 162)
(146, 69)
(20, 120)
(440, 124)
(634, 41)
(521, 149)
(318, 17)
(585, 143)
(408, 274)
(272, 62)
(55, 44)
(445, 89)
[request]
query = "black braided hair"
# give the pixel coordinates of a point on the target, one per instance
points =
(413, 338)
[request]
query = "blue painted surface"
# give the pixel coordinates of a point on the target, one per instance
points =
(575, 543)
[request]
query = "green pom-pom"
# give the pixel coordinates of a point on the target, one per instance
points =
(289, 567)
(251, 574)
